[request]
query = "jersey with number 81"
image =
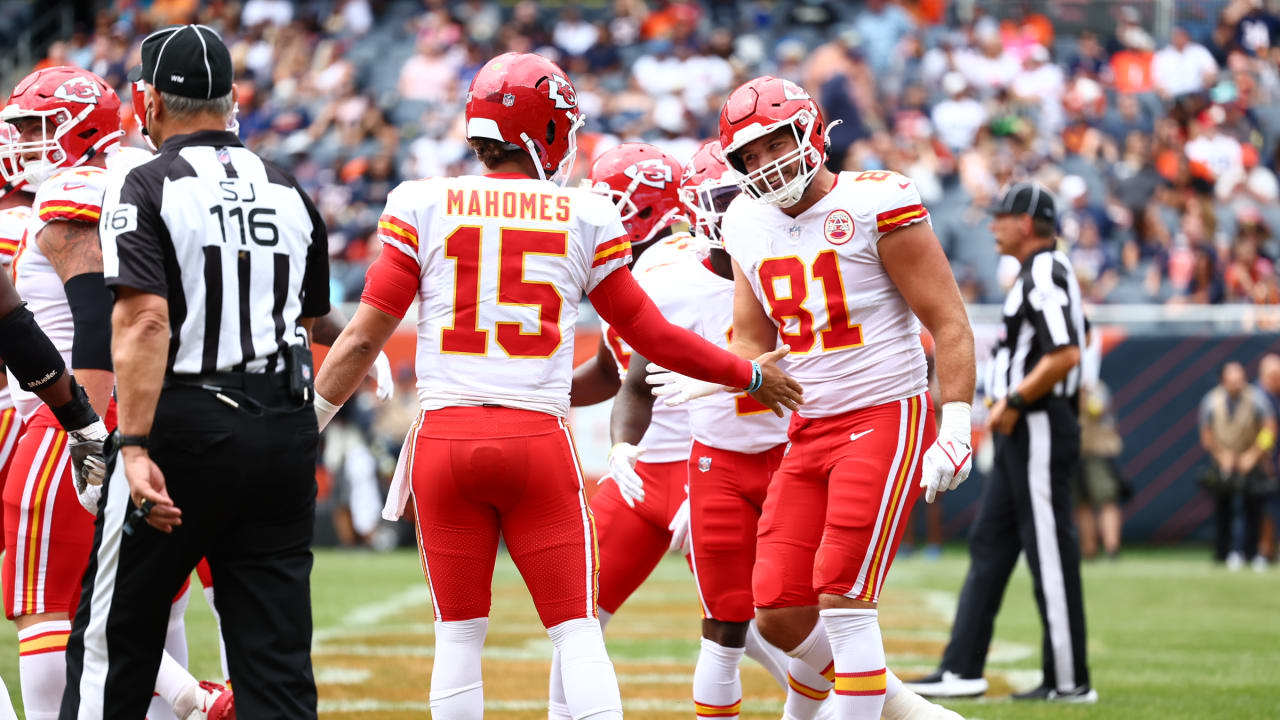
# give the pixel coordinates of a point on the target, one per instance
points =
(854, 341)
(504, 261)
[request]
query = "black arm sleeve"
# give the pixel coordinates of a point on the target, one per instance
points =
(28, 352)
(315, 281)
(90, 302)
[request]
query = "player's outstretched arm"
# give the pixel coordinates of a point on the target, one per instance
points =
(349, 359)
(621, 301)
(325, 331)
(915, 262)
(754, 332)
(390, 287)
(595, 380)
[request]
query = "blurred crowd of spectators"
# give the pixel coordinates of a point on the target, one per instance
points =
(1163, 152)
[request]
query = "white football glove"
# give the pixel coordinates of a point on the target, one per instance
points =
(679, 527)
(948, 461)
(88, 464)
(380, 371)
(622, 468)
(676, 389)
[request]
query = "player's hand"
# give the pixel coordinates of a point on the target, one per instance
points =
(679, 527)
(380, 371)
(676, 389)
(88, 463)
(622, 468)
(779, 389)
(948, 461)
(146, 484)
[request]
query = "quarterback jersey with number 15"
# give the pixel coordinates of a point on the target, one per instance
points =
(854, 341)
(503, 262)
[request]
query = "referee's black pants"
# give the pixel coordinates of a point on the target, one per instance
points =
(1026, 505)
(245, 482)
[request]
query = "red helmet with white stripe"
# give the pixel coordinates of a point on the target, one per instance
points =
(644, 184)
(527, 101)
(706, 190)
(78, 117)
(758, 108)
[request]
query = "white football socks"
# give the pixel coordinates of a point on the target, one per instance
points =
(770, 657)
(717, 685)
(457, 690)
(222, 644)
(42, 667)
(557, 708)
(861, 679)
(810, 675)
(590, 685)
(6, 705)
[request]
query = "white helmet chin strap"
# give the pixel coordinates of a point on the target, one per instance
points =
(562, 172)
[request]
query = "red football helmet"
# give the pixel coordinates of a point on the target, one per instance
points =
(79, 118)
(527, 101)
(644, 184)
(709, 185)
(760, 107)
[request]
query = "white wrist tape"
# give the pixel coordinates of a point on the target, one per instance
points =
(325, 410)
(955, 421)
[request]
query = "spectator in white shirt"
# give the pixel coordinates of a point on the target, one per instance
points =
(1219, 153)
(1183, 67)
(1042, 83)
(276, 12)
(958, 118)
(572, 34)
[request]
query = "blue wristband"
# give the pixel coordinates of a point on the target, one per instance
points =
(757, 377)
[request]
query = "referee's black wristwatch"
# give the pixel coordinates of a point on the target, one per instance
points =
(134, 440)
(1016, 401)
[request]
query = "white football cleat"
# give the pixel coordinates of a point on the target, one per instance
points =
(946, 684)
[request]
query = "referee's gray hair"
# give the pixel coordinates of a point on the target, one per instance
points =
(185, 107)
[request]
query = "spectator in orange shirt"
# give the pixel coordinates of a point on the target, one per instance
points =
(1131, 67)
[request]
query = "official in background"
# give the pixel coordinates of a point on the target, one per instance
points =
(1238, 431)
(1026, 503)
(219, 263)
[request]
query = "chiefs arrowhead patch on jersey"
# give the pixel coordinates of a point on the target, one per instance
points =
(838, 227)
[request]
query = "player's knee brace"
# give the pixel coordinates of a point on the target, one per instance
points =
(457, 691)
(591, 688)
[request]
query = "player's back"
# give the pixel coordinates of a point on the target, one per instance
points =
(504, 261)
(854, 340)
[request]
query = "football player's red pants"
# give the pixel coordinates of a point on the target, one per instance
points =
(481, 472)
(726, 493)
(838, 504)
(632, 541)
(48, 535)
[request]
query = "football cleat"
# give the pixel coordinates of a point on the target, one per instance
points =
(946, 684)
(1082, 695)
(216, 703)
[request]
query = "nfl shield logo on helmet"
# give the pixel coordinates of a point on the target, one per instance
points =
(838, 227)
(508, 100)
(704, 464)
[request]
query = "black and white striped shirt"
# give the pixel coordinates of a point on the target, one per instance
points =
(231, 241)
(1042, 313)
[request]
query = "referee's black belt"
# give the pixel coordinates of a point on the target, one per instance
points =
(250, 383)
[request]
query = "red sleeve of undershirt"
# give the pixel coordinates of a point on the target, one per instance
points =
(624, 305)
(391, 283)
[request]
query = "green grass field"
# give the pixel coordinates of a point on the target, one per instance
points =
(1170, 637)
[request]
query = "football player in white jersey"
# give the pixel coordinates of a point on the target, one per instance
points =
(497, 264)
(68, 121)
(15, 211)
(840, 266)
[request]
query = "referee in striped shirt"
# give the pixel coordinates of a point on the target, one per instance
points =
(1026, 503)
(219, 265)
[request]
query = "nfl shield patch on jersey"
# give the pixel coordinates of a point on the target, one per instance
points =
(704, 464)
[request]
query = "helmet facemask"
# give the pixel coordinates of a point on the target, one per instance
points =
(708, 203)
(565, 168)
(52, 156)
(769, 183)
(630, 212)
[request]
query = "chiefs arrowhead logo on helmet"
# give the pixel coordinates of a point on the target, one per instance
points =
(562, 93)
(652, 172)
(79, 89)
